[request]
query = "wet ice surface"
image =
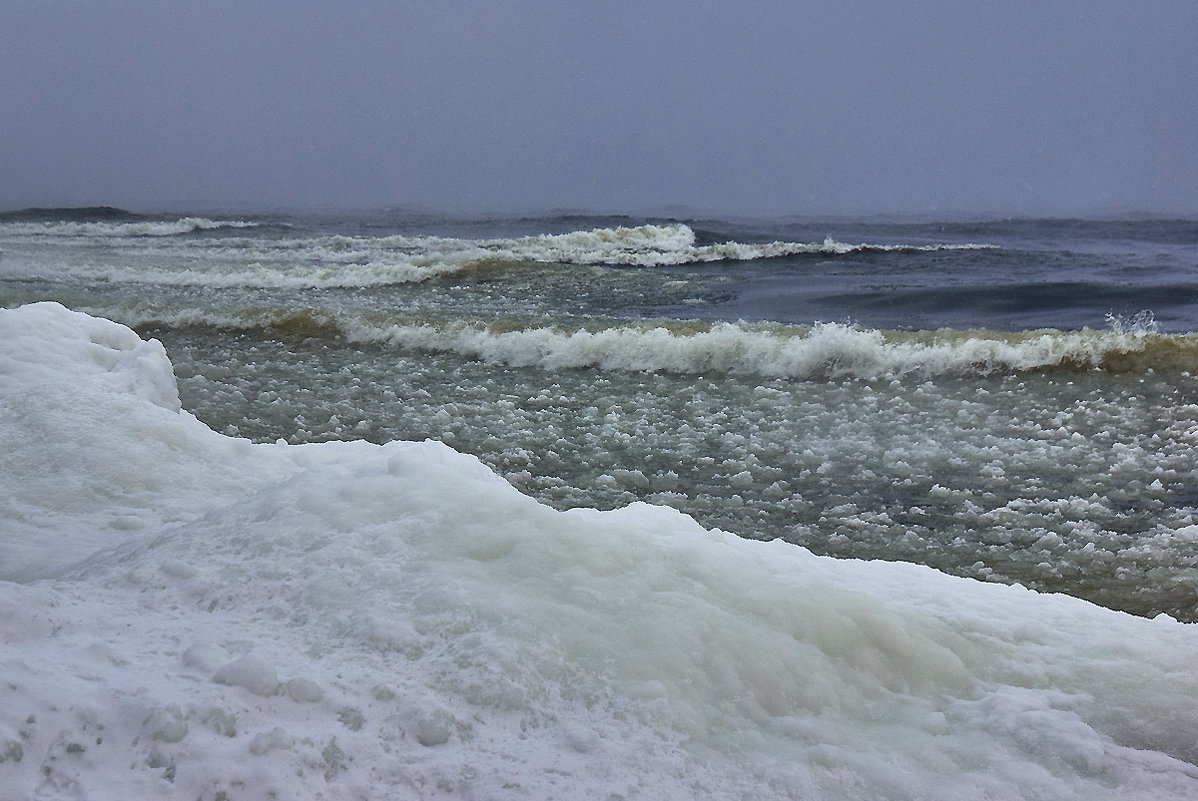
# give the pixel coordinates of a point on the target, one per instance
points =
(1073, 481)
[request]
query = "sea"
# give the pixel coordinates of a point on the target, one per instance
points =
(985, 426)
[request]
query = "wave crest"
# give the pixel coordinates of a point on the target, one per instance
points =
(671, 245)
(136, 228)
(338, 261)
(825, 350)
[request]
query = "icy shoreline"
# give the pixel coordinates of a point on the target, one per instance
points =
(185, 615)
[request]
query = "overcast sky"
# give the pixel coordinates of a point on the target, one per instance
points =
(754, 107)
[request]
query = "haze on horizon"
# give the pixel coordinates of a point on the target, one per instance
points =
(769, 107)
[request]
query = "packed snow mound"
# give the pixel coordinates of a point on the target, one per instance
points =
(96, 448)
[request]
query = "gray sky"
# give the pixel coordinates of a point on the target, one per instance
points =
(755, 107)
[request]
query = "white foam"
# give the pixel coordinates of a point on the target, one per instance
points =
(826, 349)
(662, 245)
(396, 622)
(351, 261)
(141, 228)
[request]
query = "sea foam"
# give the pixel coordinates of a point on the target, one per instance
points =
(332, 261)
(397, 621)
(821, 350)
(139, 228)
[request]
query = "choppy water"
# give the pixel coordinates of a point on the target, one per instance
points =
(1011, 400)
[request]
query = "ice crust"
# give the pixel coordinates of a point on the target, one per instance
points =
(187, 615)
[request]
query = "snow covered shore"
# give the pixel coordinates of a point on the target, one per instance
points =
(188, 615)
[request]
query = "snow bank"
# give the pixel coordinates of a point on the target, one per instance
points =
(95, 446)
(356, 621)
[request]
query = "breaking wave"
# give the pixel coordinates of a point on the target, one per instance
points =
(668, 245)
(128, 228)
(769, 350)
(341, 261)
(826, 350)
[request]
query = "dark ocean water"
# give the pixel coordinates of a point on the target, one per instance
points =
(1013, 400)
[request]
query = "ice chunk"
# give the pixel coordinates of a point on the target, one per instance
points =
(304, 690)
(252, 672)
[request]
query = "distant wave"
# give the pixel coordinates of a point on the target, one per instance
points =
(116, 229)
(657, 246)
(665, 245)
(350, 261)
